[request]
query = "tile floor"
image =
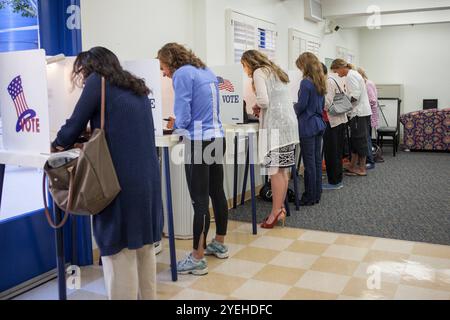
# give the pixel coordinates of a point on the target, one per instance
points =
(296, 264)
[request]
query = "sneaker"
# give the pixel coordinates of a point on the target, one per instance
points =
(329, 186)
(192, 266)
(158, 247)
(215, 248)
(370, 166)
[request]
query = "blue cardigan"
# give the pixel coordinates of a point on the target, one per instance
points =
(309, 110)
(134, 218)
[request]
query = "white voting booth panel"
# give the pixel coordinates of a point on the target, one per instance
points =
(231, 87)
(24, 101)
(62, 94)
(149, 70)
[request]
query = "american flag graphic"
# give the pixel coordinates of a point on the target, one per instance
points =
(225, 85)
(15, 90)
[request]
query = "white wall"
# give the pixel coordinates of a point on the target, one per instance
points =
(285, 14)
(417, 57)
(136, 29)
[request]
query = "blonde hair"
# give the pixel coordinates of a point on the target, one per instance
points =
(255, 60)
(341, 63)
(363, 73)
(175, 56)
(313, 69)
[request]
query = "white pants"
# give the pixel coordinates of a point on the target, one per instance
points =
(131, 274)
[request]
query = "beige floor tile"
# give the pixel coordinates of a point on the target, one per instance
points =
(191, 294)
(281, 275)
(161, 267)
(348, 298)
(214, 263)
(393, 246)
(288, 233)
(185, 245)
(167, 291)
(417, 293)
(334, 265)
(376, 256)
(308, 247)
(260, 290)
(318, 236)
(294, 260)
(256, 254)
(355, 241)
(273, 243)
(239, 268)
(241, 238)
(248, 228)
(389, 271)
(218, 284)
(234, 248)
(164, 256)
(345, 252)
(324, 282)
(305, 294)
(431, 250)
(90, 274)
(359, 288)
(232, 225)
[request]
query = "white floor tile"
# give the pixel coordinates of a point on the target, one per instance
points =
(259, 290)
(321, 281)
(393, 246)
(239, 268)
(320, 237)
(273, 243)
(346, 252)
(390, 271)
(294, 260)
(417, 293)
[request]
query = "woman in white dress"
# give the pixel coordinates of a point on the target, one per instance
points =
(278, 127)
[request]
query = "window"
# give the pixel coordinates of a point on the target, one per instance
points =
(247, 33)
(300, 42)
(18, 25)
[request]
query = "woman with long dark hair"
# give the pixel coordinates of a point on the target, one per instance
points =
(126, 230)
(197, 120)
(278, 134)
(309, 109)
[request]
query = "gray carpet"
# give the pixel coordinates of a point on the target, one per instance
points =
(407, 198)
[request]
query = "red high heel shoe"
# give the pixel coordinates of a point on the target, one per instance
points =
(281, 216)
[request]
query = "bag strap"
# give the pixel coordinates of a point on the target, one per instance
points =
(69, 202)
(103, 104)
(340, 91)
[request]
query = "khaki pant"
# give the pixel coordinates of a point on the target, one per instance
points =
(131, 274)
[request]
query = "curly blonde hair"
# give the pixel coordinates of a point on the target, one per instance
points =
(255, 60)
(313, 69)
(175, 56)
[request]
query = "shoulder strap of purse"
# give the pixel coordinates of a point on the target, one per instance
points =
(103, 106)
(336, 84)
(46, 209)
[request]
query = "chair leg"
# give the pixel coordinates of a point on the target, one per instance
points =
(394, 145)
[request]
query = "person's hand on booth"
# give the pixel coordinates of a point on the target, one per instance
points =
(256, 110)
(171, 123)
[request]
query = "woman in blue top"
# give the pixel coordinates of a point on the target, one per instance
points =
(309, 109)
(197, 120)
(126, 230)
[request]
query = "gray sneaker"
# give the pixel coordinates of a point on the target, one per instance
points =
(217, 249)
(191, 266)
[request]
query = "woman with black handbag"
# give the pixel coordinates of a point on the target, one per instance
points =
(126, 230)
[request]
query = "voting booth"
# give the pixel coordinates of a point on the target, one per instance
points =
(231, 88)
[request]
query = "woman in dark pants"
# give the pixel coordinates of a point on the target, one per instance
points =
(333, 139)
(197, 120)
(127, 229)
(309, 109)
